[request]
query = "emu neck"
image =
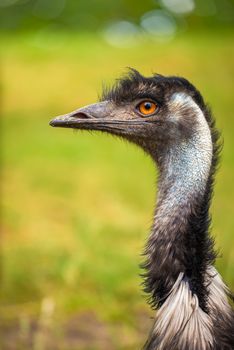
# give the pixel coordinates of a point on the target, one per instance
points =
(183, 178)
(179, 241)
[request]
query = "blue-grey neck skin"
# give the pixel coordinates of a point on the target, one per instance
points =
(186, 164)
(184, 172)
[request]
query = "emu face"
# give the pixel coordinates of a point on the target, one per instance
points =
(154, 112)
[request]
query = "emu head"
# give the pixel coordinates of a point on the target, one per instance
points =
(155, 112)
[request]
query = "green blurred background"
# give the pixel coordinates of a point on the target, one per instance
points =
(77, 207)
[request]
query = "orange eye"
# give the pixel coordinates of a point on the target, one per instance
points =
(147, 107)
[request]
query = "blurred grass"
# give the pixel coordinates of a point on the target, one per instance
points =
(77, 207)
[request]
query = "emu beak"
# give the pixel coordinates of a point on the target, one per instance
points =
(102, 116)
(92, 117)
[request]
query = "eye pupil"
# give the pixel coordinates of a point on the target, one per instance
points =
(147, 105)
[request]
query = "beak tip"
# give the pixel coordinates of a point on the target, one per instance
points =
(52, 123)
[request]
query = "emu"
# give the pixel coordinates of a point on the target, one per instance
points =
(168, 118)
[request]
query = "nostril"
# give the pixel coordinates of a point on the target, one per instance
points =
(81, 115)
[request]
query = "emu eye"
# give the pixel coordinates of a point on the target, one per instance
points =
(147, 108)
